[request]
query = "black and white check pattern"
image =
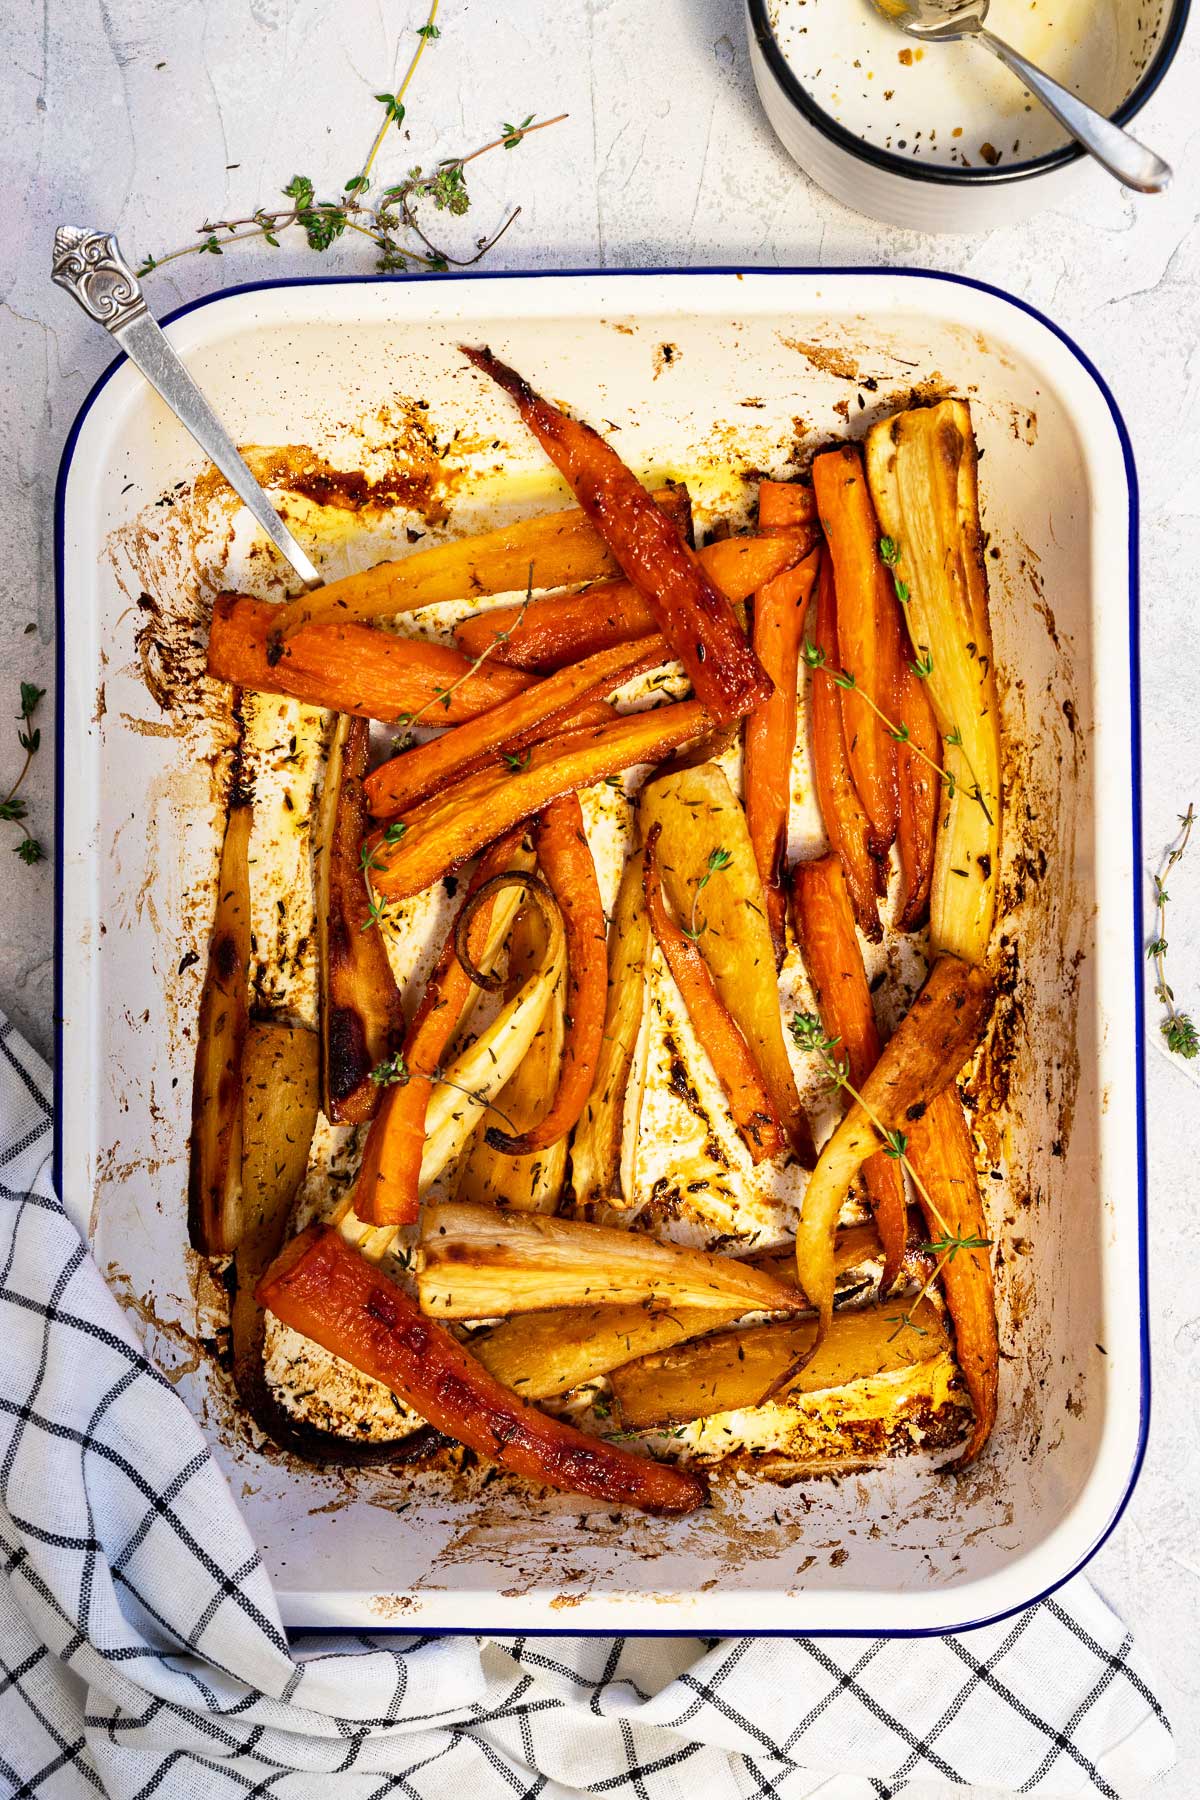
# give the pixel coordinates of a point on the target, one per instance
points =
(141, 1651)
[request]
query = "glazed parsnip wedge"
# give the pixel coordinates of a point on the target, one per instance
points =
(561, 546)
(925, 1053)
(702, 825)
(477, 1263)
(215, 1218)
(597, 1144)
(922, 470)
(736, 1369)
(361, 1012)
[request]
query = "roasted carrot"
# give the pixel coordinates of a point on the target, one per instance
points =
(750, 1103)
(824, 925)
(940, 1150)
(784, 505)
(387, 1191)
(427, 768)
(870, 635)
(353, 668)
(780, 607)
(362, 1016)
(561, 547)
(920, 796)
(566, 862)
(324, 1289)
(693, 614)
(460, 821)
(846, 824)
(557, 629)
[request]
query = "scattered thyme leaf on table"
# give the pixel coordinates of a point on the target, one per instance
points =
(13, 810)
(392, 220)
(1177, 1027)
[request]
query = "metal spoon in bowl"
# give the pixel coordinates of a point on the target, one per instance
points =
(944, 21)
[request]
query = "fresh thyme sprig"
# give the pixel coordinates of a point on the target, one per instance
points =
(442, 696)
(718, 860)
(29, 738)
(394, 1071)
(391, 221)
(901, 733)
(1177, 1028)
(811, 1036)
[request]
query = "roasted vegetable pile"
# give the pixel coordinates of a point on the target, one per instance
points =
(597, 776)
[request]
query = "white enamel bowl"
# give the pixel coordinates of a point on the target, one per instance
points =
(940, 137)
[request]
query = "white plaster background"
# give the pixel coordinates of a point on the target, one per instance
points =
(129, 113)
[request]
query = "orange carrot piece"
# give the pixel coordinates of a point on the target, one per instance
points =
(750, 1104)
(387, 1191)
(414, 774)
(941, 1152)
(824, 925)
(920, 798)
(324, 1289)
(846, 824)
(566, 862)
(457, 823)
(362, 1015)
(783, 505)
(780, 608)
(692, 613)
(560, 628)
(352, 668)
(870, 635)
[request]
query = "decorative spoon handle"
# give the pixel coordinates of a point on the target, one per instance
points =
(1112, 147)
(89, 264)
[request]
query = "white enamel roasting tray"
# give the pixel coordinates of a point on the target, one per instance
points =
(760, 365)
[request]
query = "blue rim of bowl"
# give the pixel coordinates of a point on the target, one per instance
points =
(944, 174)
(1135, 759)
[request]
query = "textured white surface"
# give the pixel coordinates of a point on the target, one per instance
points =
(130, 114)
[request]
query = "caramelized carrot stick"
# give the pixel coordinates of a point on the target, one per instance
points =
(559, 628)
(352, 668)
(940, 1150)
(846, 824)
(750, 1104)
(780, 607)
(561, 547)
(566, 862)
(414, 774)
(870, 635)
(824, 925)
(362, 1016)
(457, 823)
(783, 505)
(920, 798)
(321, 1287)
(388, 1188)
(693, 614)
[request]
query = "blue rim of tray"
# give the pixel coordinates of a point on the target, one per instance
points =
(1081, 356)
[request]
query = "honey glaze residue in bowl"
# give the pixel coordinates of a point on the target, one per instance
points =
(952, 104)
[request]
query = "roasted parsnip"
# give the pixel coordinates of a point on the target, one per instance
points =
(925, 1053)
(692, 613)
(709, 870)
(321, 1287)
(922, 470)
(736, 1369)
(596, 1148)
(477, 1263)
(215, 1213)
(361, 1012)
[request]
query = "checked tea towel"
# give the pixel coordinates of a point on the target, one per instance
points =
(141, 1651)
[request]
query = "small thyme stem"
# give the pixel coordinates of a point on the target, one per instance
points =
(423, 37)
(1177, 1028)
